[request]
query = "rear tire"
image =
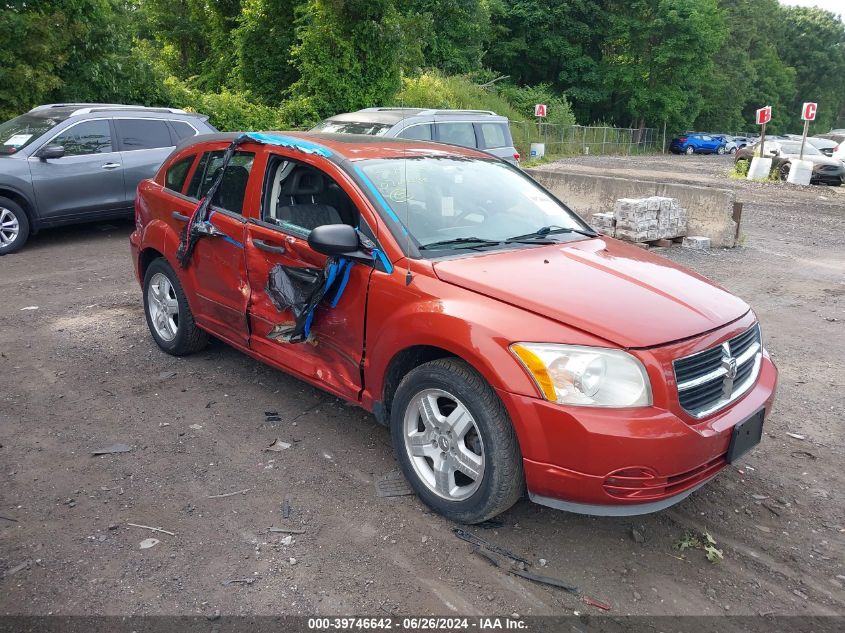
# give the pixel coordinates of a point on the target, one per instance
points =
(445, 417)
(169, 316)
(689, 151)
(14, 226)
(721, 150)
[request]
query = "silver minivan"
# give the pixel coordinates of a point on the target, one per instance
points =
(479, 129)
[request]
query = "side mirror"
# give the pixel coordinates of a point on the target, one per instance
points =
(51, 151)
(337, 240)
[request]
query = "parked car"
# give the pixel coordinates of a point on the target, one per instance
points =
(743, 141)
(730, 143)
(77, 162)
(697, 144)
(479, 129)
(824, 145)
(826, 170)
(505, 343)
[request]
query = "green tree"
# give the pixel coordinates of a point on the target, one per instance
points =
(263, 41)
(657, 57)
(556, 43)
(347, 54)
(458, 32)
(813, 42)
(748, 73)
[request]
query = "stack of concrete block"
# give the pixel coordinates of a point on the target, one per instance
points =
(604, 223)
(649, 219)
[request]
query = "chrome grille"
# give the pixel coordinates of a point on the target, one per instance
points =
(712, 379)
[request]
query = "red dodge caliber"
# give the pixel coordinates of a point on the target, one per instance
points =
(507, 345)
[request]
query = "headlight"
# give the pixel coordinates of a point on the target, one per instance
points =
(585, 376)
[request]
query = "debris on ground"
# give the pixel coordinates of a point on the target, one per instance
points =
(287, 540)
(469, 537)
(147, 543)
(637, 535)
(239, 581)
(110, 450)
(595, 603)
(27, 564)
(393, 484)
(797, 436)
(490, 524)
(195, 427)
(286, 508)
(164, 375)
(803, 455)
(145, 527)
(28, 308)
(705, 542)
(8, 519)
(545, 580)
(696, 242)
(229, 494)
(277, 446)
(287, 530)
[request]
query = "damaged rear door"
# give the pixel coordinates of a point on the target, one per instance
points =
(299, 194)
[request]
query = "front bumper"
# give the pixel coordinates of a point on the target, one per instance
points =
(626, 461)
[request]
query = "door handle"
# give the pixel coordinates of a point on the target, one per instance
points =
(179, 216)
(264, 246)
(111, 165)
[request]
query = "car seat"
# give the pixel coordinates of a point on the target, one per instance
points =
(300, 193)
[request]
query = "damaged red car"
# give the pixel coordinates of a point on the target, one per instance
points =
(508, 346)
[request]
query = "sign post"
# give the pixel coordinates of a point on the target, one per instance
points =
(764, 115)
(808, 113)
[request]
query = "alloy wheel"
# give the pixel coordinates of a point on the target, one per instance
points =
(9, 227)
(444, 444)
(163, 306)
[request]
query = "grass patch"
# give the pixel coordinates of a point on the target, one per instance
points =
(740, 170)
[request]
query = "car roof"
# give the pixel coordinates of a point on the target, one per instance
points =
(67, 110)
(396, 115)
(357, 146)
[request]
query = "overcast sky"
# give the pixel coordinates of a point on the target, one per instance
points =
(835, 6)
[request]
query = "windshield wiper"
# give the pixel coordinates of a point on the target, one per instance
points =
(551, 230)
(459, 242)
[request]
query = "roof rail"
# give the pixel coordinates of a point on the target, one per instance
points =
(109, 108)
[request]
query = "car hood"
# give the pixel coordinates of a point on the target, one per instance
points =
(610, 289)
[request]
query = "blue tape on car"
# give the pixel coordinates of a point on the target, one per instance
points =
(346, 266)
(380, 256)
(291, 142)
(378, 195)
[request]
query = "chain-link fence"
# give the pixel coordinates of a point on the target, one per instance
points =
(580, 139)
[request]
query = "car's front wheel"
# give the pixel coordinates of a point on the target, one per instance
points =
(169, 316)
(455, 442)
(690, 150)
(733, 150)
(14, 226)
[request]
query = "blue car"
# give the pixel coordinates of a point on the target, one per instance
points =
(695, 143)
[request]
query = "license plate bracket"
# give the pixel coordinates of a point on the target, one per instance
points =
(746, 435)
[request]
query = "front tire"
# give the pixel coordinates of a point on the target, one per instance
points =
(455, 442)
(169, 316)
(14, 226)
(689, 151)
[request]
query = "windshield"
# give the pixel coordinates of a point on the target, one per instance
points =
(330, 126)
(21, 131)
(448, 203)
(795, 148)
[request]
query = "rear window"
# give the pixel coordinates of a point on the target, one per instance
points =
(174, 179)
(138, 134)
(494, 135)
(457, 133)
(183, 130)
(352, 127)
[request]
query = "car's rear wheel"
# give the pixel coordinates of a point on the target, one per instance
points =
(455, 442)
(690, 150)
(14, 226)
(169, 316)
(721, 150)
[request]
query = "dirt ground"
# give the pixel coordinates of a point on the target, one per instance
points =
(81, 372)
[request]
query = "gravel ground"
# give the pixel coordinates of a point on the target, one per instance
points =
(81, 372)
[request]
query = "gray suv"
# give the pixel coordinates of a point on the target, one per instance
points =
(479, 129)
(77, 162)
